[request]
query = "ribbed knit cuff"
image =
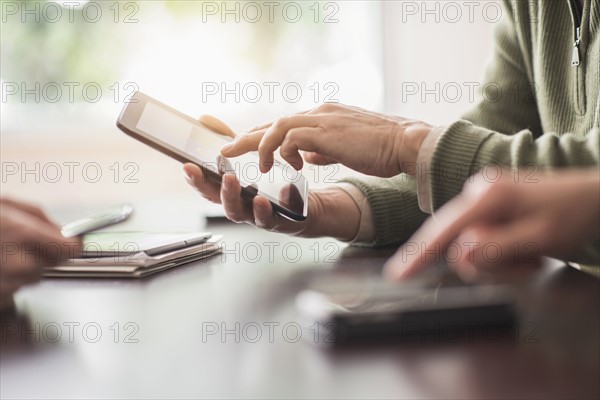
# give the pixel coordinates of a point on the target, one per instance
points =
(394, 206)
(453, 160)
(423, 165)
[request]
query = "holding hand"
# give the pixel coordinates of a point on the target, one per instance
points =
(331, 212)
(30, 241)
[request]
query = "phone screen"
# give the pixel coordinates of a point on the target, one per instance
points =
(283, 185)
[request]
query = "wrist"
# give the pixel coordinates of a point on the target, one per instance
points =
(413, 137)
(332, 212)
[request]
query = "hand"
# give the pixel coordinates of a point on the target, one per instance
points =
(30, 241)
(367, 142)
(490, 225)
(331, 212)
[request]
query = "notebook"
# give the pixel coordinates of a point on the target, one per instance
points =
(136, 254)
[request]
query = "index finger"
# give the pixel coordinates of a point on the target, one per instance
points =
(243, 144)
(266, 126)
(434, 236)
(274, 136)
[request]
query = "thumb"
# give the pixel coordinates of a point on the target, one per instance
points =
(217, 125)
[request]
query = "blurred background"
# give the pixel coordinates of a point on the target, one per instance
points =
(67, 68)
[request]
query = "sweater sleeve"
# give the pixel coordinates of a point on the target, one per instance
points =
(394, 202)
(464, 149)
(504, 128)
(505, 131)
(394, 207)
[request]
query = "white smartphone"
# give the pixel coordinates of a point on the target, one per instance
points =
(187, 140)
(99, 220)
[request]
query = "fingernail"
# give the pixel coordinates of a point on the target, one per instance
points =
(187, 174)
(265, 166)
(262, 207)
(228, 146)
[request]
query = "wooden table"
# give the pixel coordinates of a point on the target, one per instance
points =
(227, 327)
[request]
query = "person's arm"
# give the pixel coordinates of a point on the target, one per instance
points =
(338, 211)
(499, 131)
(465, 149)
(368, 142)
(493, 225)
(504, 128)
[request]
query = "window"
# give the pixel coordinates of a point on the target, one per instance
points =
(68, 66)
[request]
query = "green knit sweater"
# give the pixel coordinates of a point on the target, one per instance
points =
(542, 112)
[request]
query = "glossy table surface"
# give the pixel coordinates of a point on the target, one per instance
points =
(227, 327)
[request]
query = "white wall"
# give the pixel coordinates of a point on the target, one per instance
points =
(423, 46)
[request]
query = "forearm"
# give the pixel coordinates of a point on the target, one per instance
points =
(465, 149)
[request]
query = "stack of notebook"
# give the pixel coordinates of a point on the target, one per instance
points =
(136, 254)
